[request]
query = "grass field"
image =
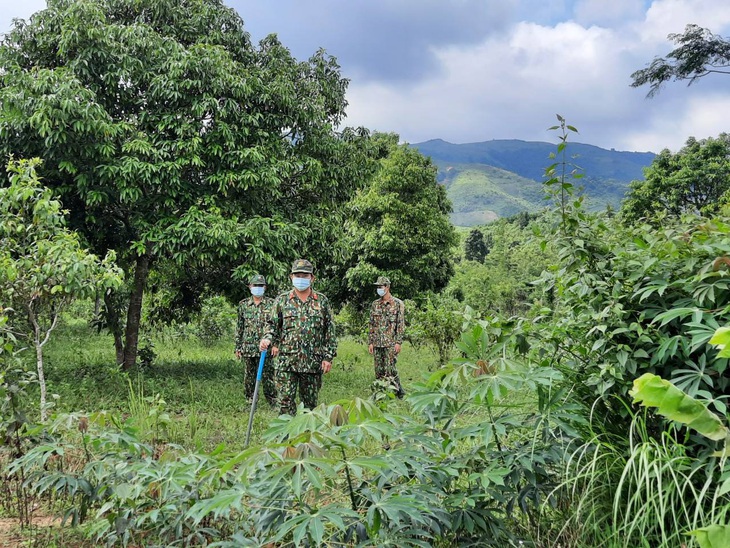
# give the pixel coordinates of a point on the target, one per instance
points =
(198, 388)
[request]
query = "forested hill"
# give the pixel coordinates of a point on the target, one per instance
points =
(502, 177)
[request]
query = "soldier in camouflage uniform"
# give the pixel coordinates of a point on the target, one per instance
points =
(253, 313)
(385, 335)
(301, 332)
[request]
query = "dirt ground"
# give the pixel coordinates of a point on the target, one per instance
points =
(10, 534)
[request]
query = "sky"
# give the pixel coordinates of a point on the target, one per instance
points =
(475, 70)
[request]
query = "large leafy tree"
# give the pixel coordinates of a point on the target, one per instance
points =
(699, 53)
(694, 180)
(174, 139)
(399, 227)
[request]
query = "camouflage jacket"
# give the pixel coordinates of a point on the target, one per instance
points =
(386, 323)
(251, 325)
(304, 332)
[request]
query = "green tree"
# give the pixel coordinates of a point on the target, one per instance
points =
(437, 323)
(693, 180)
(475, 246)
(399, 227)
(172, 138)
(43, 267)
(502, 284)
(699, 54)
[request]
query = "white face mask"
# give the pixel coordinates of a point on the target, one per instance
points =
(380, 291)
(301, 284)
(258, 291)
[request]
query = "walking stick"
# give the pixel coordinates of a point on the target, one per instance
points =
(255, 395)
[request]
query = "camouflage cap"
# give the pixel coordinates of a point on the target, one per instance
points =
(257, 279)
(302, 265)
(382, 280)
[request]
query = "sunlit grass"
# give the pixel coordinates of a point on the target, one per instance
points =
(201, 386)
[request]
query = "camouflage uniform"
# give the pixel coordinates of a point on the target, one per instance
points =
(386, 330)
(251, 327)
(304, 332)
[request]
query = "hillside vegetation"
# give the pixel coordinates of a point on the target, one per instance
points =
(500, 178)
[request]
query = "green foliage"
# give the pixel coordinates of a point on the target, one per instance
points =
(481, 194)
(43, 266)
(699, 54)
(632, 300)
(561, 175)
(436, 323)
(674, 404)
(498, 178)
(146, 355)
(172, 138)
(627, 302)
(216, 320)
(466, 467)
(476, 246)
(352, 321)
(694, 180)
(640, 490)
(714, 536)
(380, 236)
(14, 424)
(653, 391)
(503, 284)
(147, 413)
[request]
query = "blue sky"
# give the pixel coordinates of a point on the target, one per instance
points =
(476, 70)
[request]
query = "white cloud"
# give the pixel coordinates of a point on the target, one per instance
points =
(507, 88)
(698, 118)
(512, 86)
(671, 16)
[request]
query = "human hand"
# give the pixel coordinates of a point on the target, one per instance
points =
(397, 349)
(274, 351)
(238, 354)
(264, 344)
(326, 366)
(370, 348)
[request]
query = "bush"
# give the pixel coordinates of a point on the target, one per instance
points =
(216, 320)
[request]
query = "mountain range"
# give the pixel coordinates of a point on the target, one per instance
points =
(499, 178)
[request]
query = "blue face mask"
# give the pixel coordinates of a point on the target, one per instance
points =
(258, 291)
(301, 283)
(381, 291)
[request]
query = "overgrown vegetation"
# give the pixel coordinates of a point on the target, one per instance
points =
(519, 428)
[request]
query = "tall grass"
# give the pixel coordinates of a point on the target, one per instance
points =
(647, 493)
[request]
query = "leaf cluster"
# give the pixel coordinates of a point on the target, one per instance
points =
(696, 179)
(43, 265)
(699, 54)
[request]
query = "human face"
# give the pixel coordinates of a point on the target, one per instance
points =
(302, 280)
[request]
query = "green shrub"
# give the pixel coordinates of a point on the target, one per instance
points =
(215, 321)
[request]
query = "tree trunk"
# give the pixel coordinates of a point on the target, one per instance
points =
(134, 313)
(38, 343)
(112, 320)
(41, 374)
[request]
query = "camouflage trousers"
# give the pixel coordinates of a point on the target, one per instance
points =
(385, 358)
(251, 367)
(287, 383)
